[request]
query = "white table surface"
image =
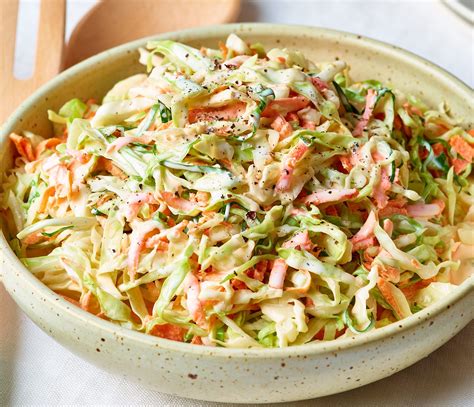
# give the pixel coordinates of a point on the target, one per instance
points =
(35, 370)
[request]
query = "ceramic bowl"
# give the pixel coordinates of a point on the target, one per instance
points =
(234, 375)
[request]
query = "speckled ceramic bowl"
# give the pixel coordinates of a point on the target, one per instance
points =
(269, 375)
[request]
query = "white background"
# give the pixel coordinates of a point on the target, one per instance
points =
(35, 370)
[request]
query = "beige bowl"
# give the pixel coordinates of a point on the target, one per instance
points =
(268, 375)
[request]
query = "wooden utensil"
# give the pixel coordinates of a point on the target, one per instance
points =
(49, 48)
(113, 22)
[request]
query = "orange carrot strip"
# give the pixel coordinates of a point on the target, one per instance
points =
(48, 192)
(228, 112)
(47, 144)
(23, 146)
(462, 147)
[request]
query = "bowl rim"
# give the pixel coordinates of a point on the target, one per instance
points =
(314, 348)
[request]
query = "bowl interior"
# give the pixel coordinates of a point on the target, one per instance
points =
(367, 58)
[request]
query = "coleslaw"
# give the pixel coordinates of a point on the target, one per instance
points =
(240, 197)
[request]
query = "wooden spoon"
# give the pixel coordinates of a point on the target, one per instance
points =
(114, 22)
(48, 51)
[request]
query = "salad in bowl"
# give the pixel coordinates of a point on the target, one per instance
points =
(243, 197)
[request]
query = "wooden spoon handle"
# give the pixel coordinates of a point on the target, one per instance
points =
(49, 50)
(8, 18)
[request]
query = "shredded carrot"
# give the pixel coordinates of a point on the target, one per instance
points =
(332, 210)
(224, 50)
(23, 146)
(410, 109)
(438, 148)
(110, 167)
(284, 106)
(228, 112)
(71, 300)
(176, 202)
(397, 122)
(462, 147)
(278, 273)
(169, 331)
(320, 85)
(48, 193)
(282, 126)
(369, 108)
(389, 273)
(90, 304)
(459, 165)
(384, 287)
(411, 290)
(47, 144)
